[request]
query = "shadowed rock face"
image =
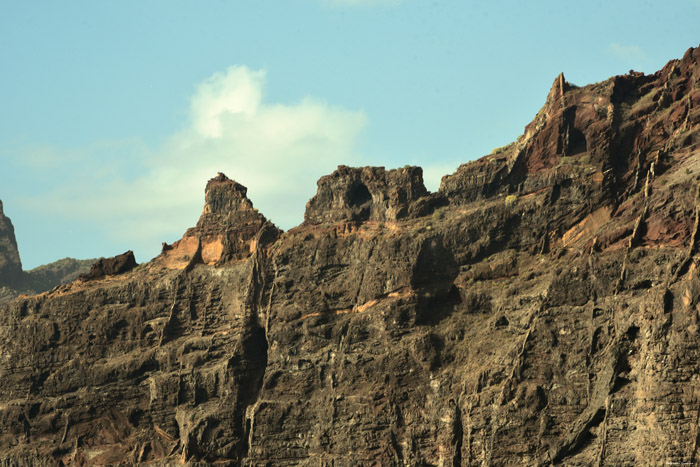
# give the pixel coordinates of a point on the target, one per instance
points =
(110, 266)
(369, 194)
(541, 309)
(10, 263)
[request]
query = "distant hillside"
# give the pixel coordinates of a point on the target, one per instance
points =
(63, 271)
(14, 281)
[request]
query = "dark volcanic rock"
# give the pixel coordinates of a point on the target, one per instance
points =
(110, 266)
(229, 229)
(368, 194)
(10, 263)
(541, 309)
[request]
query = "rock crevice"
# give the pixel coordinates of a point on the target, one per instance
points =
(541, 308)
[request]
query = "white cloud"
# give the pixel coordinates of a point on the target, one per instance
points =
(632, 55)
(235, 92)
(147, 195)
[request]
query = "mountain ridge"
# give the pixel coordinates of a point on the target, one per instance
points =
(541, 308)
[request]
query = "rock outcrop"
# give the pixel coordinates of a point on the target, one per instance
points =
(610, 132)
(104, 267)
(541, 309)
(10, 263)
(230, 228)
(369, 194)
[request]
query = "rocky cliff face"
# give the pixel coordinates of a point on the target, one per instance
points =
(10, 264)
(370, 194)
(541, 308)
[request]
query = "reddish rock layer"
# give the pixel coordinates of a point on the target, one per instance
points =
(542, 309)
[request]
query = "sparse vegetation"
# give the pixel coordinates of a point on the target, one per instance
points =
(570, 160)
(500, 150)
(439, 214)
(647, 99)
(511, 200)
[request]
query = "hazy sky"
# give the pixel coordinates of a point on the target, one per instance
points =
(114, 114)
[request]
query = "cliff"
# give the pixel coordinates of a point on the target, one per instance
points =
(10, 263)
(541, 308)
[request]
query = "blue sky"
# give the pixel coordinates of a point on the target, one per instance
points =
(114, 114)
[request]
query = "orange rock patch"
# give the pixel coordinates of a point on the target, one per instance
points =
(587, 227)
(212, 249)
(180, 253)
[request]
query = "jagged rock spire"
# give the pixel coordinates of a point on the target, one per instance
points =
(227, 230)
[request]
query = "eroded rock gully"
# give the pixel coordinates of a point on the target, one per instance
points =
(541, 308)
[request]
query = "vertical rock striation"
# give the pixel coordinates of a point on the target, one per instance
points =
(541, 309)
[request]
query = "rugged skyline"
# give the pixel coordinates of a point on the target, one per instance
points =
(541, 308)
(115, 115)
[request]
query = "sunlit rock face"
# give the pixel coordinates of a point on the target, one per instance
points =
(540, 309)
(227, 230)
